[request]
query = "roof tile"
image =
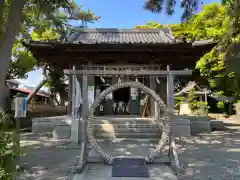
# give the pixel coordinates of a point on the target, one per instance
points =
(121, 36)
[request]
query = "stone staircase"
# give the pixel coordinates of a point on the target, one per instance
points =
(131, 127)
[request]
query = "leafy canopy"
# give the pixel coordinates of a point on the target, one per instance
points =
(211, 23)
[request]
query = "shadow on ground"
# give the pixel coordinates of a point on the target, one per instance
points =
(209, 156)
(46, 158)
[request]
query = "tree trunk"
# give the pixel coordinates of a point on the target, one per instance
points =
(37, 88)
(1, 13)
(6, 44)
(56, 100)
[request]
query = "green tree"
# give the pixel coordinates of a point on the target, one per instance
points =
(211, 23)
(18, 20)
(54, 78)
(230, 42)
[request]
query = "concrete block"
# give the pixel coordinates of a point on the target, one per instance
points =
(41, 125)
(62, 131)
(76, 130)
(200, 127)
(181, 130)
(181, 127)
(217, 125)
(46, 124)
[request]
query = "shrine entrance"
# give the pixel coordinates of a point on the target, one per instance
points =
(89, 120)
(144, 58)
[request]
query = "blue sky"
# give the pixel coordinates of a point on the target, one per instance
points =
(118, 14)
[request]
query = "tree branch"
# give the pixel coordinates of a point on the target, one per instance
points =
(38, 87)
(13, 21)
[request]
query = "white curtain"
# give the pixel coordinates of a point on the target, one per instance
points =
(76, 98)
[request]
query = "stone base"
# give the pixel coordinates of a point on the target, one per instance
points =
(62, 131)
(200, 127)
(42, 125)
(217, 125)
(47, 124)
(181, 127)
(99, 171)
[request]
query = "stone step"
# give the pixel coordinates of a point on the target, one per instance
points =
(133, 135)
(127, 122)
(106, 129)
(116, 126)
(126, 127)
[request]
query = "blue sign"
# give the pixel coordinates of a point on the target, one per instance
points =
(20, 107)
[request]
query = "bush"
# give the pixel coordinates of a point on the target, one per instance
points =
(9, 151)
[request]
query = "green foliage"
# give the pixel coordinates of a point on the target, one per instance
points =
(192, 101)
(150, 24)
(43, 21)
(220, 104)
(196, 106)
(212, 23)
(177, 102)
(8, 149)
(56, 83)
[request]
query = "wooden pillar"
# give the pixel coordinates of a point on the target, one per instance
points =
(170, 91)
(69, 95)
(69, 108)
(85, 106)
(75, 137)
(82, 133)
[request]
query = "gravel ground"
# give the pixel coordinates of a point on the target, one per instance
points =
(46, 158)
(211, 156)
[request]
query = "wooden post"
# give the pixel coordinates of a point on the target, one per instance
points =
(170, 103)
(170, 90)
(69, 107)
(83, 133)
(73, 95)
(75, 122)
(85, 97)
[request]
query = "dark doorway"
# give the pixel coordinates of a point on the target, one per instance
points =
(121, 98)
(122, 95)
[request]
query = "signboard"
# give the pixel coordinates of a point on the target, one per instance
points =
(134, 93)
(90, 95)
(20, 107)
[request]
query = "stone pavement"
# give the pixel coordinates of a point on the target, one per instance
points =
(100, 172)
(210, 156)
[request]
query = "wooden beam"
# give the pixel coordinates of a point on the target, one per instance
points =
(143, 72)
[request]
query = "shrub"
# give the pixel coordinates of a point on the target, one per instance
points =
(9, 150)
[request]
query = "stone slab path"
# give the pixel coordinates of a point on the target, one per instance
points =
(100, 172)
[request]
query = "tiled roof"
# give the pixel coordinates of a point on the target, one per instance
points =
(121, 36)
(45, 94)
